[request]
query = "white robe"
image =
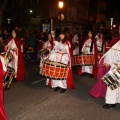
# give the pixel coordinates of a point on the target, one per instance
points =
(14, 63)
(112, 57)
(60, 53)
(75, 40)
(47, 46)
(99, 45)
(86, 50)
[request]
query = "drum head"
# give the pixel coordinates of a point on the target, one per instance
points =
(55, 64)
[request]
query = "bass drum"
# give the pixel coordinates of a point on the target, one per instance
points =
(54, 70)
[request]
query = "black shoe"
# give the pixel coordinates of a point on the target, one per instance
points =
(63, 90)
(83, 74)
(90, 76)
(107, 106)
(56, 89)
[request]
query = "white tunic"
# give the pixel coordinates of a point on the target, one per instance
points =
(60, 53)
(99, 45)
(86, 50)
(112, 57)
(47, 46)
(14, 63)
(76, 40)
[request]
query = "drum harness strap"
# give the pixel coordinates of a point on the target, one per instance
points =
(61, 54)
(91, 47)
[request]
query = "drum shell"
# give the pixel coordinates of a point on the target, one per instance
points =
(111, 80)
(54, 70)
(83, 59)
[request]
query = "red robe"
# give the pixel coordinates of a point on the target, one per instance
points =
(21, 69)
(70, 83)
(2, 111)
(95, 56)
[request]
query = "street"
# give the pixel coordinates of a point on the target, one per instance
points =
(33, 100)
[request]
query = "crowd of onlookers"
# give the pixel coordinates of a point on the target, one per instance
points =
(33, 40)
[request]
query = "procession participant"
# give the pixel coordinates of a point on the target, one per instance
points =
(89, 47)
(99, 89)
(61, 53)
(112, 59)
(101, 45)
(2, 72)
(75, 45)
(46, 49)
(16, 49)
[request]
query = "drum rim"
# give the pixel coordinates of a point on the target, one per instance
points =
(84, 55)
(65, 66)
(53, 77)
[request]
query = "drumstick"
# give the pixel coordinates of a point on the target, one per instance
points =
(113, 48)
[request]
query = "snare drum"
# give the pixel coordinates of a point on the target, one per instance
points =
(54, 70)
(84, 59)
(111, 78)
(8, 77)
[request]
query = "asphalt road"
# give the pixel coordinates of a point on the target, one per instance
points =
(33, 100)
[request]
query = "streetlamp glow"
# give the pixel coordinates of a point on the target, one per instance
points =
(31, 11)
(60, 4)
(114, 26)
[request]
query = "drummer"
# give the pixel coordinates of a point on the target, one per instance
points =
(101, 45)
(16, 49)
(61, 53)
(2, 72)
(112, 59)
(46, 49)
(89, 47)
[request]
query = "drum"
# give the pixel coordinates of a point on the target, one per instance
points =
(54, 70)
(8, 58)
(112, 78)
(8, 77)
(83, 60)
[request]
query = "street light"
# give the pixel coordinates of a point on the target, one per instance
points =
(31, 11)
(60, 4)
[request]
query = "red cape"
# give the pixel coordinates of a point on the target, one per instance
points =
(2, 111)
(70, 83)
(95, 56)
(21, 68)
(99, 89)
